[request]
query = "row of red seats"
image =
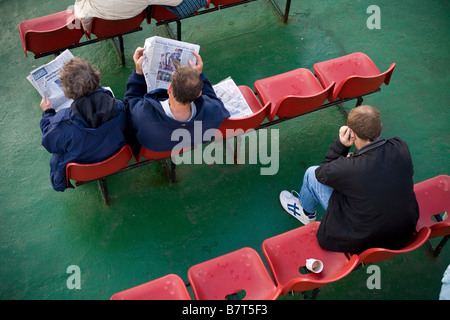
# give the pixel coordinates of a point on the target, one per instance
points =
(56, 32)
(244, 271)
(284, 96)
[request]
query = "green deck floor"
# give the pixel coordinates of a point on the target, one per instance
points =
(155, 227)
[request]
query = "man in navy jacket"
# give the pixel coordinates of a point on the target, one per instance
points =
(91, 130)
(368, 196)
(189, 101)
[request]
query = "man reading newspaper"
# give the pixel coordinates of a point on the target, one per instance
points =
(91, 129)
(187, 103)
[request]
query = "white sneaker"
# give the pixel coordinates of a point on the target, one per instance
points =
(290, 203)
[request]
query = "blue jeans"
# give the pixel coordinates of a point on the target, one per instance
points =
(313, 192)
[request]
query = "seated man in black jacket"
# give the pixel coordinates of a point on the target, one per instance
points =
(367, 196)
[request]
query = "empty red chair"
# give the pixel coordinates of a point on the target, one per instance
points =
(234, 126)
(433, 196)
(82, 173)
(292, 93)
(232, 273)
(354, 74)
(169, 287)
(286, 255)
(54, 32)
(374, 255)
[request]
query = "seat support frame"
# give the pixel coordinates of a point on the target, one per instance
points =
(284, 15)
(436, 251)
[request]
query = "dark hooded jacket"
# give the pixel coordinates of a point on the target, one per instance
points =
(373, 203)
(90, 131)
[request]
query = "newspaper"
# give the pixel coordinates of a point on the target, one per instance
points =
(45, 80)
(161, 57)
(227, 91)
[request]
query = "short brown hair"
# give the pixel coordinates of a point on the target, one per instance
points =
(186, 84)
(79, 78)
(365, 121)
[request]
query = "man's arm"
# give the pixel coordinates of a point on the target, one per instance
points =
(136, 85)
(48, 113)
(207, 87)
(336, 162)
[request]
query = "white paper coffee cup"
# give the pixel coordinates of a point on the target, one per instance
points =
(314, 265)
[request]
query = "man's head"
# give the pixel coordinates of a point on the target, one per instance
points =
(186, 85)
(365, 122)
(79, 78)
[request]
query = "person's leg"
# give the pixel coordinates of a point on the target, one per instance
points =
(313, 192)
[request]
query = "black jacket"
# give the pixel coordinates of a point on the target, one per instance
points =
(373, 203)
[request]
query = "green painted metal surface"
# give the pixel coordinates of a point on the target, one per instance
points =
(155, 227)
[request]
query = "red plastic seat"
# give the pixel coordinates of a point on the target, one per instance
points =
(152, 155)
(169, 287)
(50, 33)
(380, 254)
(287, 253)
(102, 28)
(231, 273)
(159, 13)
(236, 126)
(292, 93)
(354, 74)
(433, 196)
(100, 170)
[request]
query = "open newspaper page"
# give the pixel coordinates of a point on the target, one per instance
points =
(228, 92)
(45, 81)
(161, 58)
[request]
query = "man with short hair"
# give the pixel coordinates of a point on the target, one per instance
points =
(189, 99)
(92, 129)
(368, 196)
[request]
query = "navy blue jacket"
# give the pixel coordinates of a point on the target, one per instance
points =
(153, 127)
(72, 136)
(373, 203)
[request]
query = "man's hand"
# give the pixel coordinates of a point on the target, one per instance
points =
(199, 66)
(138, 58)
(45, 103)
(345, 137)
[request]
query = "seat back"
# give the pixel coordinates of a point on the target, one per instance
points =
(88, 172)
(380, 254)
(50, 33)
(355, 86)
(102, 28)
(291, 105)
(241, 270)
(169, 287)
(159, 13)
(234, 126)
(433, 197)
(286, 255)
